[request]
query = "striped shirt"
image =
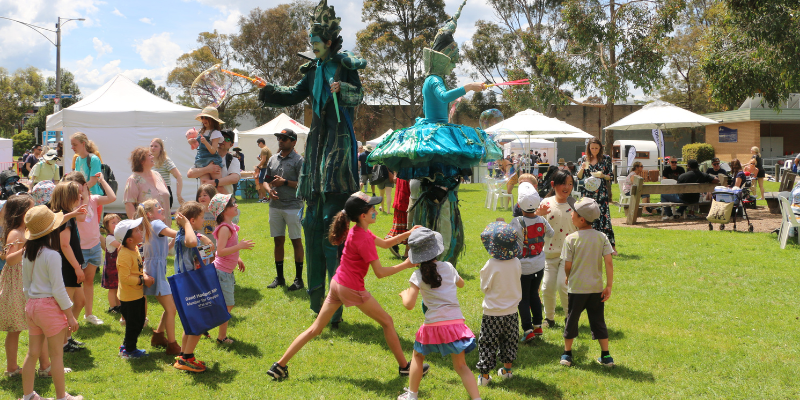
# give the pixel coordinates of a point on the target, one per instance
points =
(164, 171)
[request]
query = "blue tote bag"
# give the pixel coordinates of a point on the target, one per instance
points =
(198, 298)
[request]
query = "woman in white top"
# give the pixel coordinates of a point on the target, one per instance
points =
(164, 166)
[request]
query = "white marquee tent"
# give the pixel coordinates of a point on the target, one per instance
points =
(379, 139)
(247, 139)
(120, 116)
(524, 145)
(6, 152)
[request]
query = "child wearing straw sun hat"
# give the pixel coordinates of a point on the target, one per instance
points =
(444, 330)
(209, 137)
(500, 283)
(48, 309)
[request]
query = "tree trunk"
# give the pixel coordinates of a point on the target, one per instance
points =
(608, 138)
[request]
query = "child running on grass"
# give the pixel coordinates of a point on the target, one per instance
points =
(347, 286)
(48, 309)
(224, 208)
(89, 230)
(110, 278)
(132, 280)
(532, 229)
(156, 246)
(583, 254)
(500, 284)
(444, 330)
(560, 219)
(190, 220)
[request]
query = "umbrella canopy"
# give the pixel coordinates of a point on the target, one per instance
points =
(530, 122)
(660, 115)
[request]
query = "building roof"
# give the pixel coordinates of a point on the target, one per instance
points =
(755, 109)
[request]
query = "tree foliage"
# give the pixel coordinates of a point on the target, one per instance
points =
(160, 91)
(392, 43)
(19, 92)
(754, 49)
(68, 86)
(23, 142)
(616, 44)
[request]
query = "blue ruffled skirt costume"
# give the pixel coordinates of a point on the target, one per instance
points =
(438, 154)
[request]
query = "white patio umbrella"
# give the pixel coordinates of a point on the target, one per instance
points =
(660, 115)
(533, 123)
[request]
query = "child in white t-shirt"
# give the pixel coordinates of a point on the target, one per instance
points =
(584, 253)
(532, 229)
(500, 284)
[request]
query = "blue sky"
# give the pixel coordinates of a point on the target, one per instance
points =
(144, 38)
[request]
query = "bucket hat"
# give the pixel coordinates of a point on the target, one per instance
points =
(500, 240)
(218, 203)
(424, 245)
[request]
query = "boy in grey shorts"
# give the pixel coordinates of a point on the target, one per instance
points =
(583, 253)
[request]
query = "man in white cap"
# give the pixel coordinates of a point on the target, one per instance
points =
(46, 169)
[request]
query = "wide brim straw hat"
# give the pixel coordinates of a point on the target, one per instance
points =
(40, 221)
(209, 112)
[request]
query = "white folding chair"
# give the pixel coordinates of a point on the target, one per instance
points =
(490, 185)
(624, 200)
(501, 194)
(788, 221)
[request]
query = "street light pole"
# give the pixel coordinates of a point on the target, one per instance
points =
(57, 106)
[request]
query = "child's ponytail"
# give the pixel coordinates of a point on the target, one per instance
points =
(339, 228)
(141, 212)
(429, 274)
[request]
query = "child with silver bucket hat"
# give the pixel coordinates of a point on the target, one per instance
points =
(500, 284)
(584, 253)
(444, 330)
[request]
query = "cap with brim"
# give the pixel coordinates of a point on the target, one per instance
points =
(40, 221)
(288, 133)
(236, 149)
(218, 203)
(209, 112)
(527, 197)
(586, 208)
(51, 155)
(424, 245)
(124, 226)
(370, 200)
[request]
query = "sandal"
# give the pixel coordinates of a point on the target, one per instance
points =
(227, 341)
(45, 373)
(206, 335)
(12, 374)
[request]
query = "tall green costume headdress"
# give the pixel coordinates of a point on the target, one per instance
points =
(324, 22)
(443, 52)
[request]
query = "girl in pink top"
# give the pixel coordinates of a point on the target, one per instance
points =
(89, 231)
(347, 286)
(224, 208)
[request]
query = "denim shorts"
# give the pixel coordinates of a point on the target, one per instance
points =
(200, 162)
(227, 281)
(92, 256)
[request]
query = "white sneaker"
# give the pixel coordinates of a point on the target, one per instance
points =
(408, 395)
(666, 218)
(92, 319)
(122, 321)
(504, 373)
(483, 381)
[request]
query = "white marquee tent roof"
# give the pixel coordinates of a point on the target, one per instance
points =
(247, 139)
(379, 139)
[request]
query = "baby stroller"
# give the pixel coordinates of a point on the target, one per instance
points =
(734, 199)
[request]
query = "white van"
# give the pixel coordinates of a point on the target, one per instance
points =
(646, 153)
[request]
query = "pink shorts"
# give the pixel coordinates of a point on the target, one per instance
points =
(45, 317)
(339, 294)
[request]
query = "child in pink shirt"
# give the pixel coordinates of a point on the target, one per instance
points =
(224, 208)
(347, 286)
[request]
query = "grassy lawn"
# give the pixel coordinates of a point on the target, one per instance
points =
(694, 314)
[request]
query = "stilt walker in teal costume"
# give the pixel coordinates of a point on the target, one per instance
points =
(434, 154)
(330, 169)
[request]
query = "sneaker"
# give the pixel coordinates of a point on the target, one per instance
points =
(537, 330)
(122, 353)
(484, 380)
(296, 285)
(395, 250)
(122, 321)
(112, 310)
(138, 353)
(45, 373)
(93, 320)
(277, 282)
(566, 360)
(676, 217)
(76, 343)
(71, 348)
(277, 372)
(37, 397)
(528, 335)
(550, 323)
(504, 373)
(71, 397)
(407, 370)
(666, 218)
(607, 361)
(408, 395)
(190, 365)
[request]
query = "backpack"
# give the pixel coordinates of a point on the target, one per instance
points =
(533, 238)
(10, 184)
(379, 174)
(108, 175)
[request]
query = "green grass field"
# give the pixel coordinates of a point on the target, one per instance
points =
(694, 314)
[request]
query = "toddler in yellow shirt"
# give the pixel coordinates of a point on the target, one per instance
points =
(132, 280)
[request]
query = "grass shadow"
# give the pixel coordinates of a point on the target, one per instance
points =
(297, 294)
(627, 257)
(247, 297)
(213, 377)
(242, 348)
(365, 333)
(466, 276)
(381, 389)
(144, 364)
(585, 333)
(532, 388)
(92, 331)
(82, 360)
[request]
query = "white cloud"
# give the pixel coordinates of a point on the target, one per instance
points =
(159, 50)
(118, 13)
(100, 47)
(230, 24)
(147, 21)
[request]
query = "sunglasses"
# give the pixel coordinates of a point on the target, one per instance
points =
(284, 139)
(716, 163)
(673, 162)
(228, 140)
